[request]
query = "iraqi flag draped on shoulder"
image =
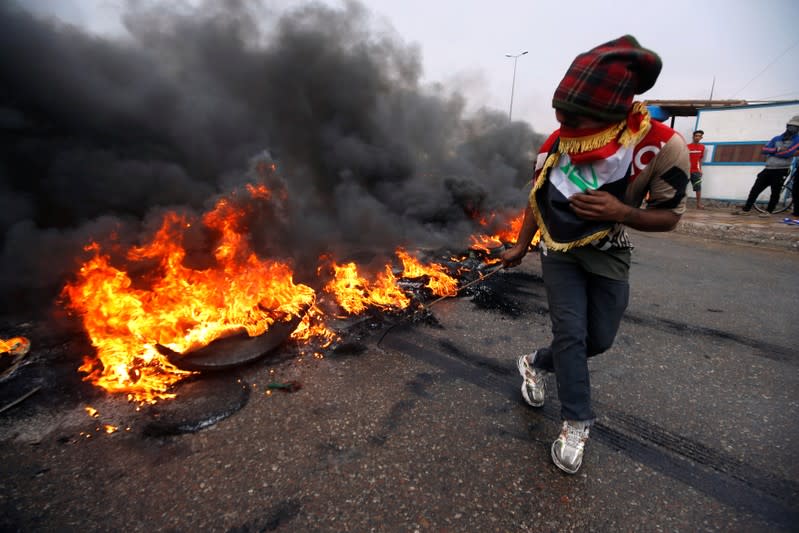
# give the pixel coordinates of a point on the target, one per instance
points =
(601, 162)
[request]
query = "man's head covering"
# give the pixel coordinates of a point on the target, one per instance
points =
(601, 82)
(794, 121)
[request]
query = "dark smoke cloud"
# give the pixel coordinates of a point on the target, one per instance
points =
(100, 136)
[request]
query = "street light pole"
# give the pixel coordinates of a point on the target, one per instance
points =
(513, 83)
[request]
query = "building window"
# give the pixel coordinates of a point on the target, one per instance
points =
(738, 153)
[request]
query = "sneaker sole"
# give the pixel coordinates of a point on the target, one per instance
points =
(527, 398)
(522, 371)
(520, 366)
(559, 464)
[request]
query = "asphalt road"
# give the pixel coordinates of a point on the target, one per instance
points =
(421, 426)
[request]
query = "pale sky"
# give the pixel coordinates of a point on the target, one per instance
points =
(749, 46)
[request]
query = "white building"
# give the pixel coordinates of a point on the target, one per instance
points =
(734, 138)
(735, 133)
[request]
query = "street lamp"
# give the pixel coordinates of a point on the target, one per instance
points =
(513, 84)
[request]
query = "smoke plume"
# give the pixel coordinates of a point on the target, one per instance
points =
(101, 135)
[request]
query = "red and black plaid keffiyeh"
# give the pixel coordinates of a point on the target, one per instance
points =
(602, 82)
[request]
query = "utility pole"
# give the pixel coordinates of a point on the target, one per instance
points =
(712, 86)
(513, 83)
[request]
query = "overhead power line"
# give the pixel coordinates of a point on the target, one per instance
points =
(776, 96)
(765, 68)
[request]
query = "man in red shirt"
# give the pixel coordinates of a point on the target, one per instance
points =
(696, 152)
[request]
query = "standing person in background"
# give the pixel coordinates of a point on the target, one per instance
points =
(779, 152)
(696, 152)
(795, 189)
(591, 177)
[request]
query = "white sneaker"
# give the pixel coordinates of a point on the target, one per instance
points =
(534, 390)
(567, 450)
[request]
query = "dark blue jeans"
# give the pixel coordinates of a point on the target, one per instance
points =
(768, 177)
(586, 311)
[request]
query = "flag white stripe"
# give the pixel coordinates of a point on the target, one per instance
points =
(594, 175)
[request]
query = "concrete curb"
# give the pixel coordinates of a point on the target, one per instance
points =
(787, 238)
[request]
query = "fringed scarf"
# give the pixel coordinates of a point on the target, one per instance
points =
(581, 160)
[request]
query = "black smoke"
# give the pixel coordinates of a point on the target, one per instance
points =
(100, 136)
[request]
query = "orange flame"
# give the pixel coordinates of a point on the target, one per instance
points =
(15, 346)
(181, 308)
(441, 283)
(355, 294)
(536, 238)
(507, 234)
(511, 230)
(186, 308)
(485, 243)
(313, 327)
